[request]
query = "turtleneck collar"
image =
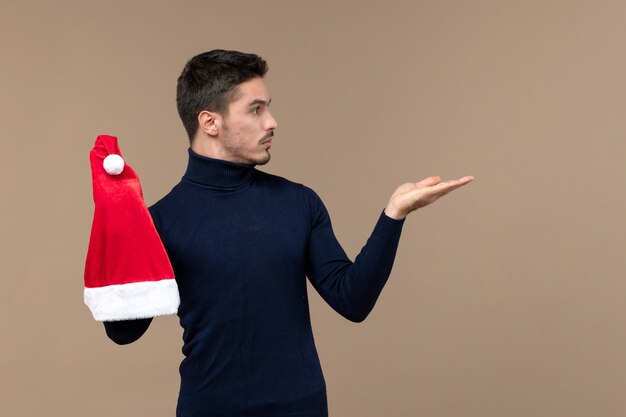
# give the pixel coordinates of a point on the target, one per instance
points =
(217, 173)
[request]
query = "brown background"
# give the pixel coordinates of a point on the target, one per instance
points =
(507, 298)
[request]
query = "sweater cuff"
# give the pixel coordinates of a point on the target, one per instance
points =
(389, 227)
(383, 214)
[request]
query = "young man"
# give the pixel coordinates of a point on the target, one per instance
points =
(242, 243)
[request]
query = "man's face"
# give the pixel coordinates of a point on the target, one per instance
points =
(248, 129)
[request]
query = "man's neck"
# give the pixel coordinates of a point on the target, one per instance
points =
(209, 148)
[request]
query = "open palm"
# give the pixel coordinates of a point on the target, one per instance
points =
(412, 195)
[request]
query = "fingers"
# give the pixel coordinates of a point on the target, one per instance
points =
(451, 185)
(436, 181)
(462, 180)
(440, 188)
(466, 179)
(430, 181)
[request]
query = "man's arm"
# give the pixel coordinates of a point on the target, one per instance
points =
(352, 288)
(126, 331)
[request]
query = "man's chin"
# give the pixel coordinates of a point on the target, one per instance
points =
(264, 160)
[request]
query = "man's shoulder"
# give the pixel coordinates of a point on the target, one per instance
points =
(303, 190)
(169, 199)
(278, 181)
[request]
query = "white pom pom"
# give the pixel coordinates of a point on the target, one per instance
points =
(113, 164)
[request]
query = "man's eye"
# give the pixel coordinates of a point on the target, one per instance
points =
(256, 110)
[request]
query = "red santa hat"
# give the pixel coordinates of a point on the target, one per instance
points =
(127, 273)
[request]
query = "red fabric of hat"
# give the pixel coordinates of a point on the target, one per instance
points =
(127, 272)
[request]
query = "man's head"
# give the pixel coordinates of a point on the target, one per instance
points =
(223, 103)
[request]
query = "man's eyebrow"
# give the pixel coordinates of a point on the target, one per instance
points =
(260, 101)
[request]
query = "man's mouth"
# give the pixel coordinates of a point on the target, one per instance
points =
(267, 138)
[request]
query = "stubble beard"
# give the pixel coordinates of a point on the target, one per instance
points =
(264, 160)
(249, 161)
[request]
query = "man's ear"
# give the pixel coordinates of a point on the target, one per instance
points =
(209, 122)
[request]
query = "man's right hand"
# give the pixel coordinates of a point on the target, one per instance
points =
(412, 195)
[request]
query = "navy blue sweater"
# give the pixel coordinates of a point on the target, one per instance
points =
(242, 243)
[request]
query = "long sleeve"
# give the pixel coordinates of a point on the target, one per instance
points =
(350, 288)
(126, 331)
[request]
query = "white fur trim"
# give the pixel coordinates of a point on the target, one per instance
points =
(136, 300)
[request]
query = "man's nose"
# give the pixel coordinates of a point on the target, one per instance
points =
(271, 123)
